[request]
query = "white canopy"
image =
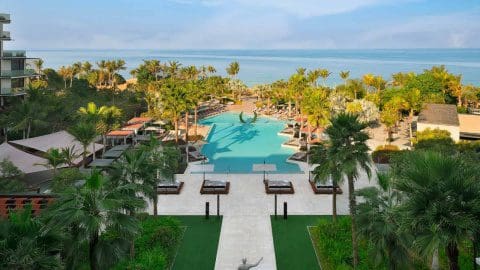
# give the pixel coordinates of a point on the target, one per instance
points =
(61, 139)
(264, 167)
(202, 168)
(24, 161)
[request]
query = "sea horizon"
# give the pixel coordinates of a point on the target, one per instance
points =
(259, 66)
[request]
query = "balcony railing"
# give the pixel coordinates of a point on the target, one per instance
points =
(4, 18)
(17, 73)
(14, 54)
(5, 35)
(12, 91)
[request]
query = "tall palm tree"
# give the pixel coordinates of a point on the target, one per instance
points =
(110, 120)
(38, 64)
(86, 67)
(316, 105)
(350, 151)
(324, 73)
(136, 170)
(233, 69)
(85, 133)
(85, 213)
(312, 76)
(25, 245)
(440, 201)
(173, 68)
(327, 169)
(63, 72)
(93, 114)
(173, 99)
(28, 115)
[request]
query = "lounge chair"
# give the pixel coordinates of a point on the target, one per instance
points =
(168, 187)
(215, 187)
(278, 187)
(196, 155)
(298, 156)
(324, 188)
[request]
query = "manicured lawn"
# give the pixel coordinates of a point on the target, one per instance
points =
(198, 248)
(293, 245)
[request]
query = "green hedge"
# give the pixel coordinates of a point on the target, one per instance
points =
(156, 245)
(334, 245)
(334, 248)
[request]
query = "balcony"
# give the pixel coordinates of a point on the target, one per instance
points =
(4, 18)
(5, 35)
(12, 92)
(18, 73)
(14, 54)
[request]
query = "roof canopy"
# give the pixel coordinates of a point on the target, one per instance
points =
(439, 114)
(24, 161)
(61, 139)
(139, 120)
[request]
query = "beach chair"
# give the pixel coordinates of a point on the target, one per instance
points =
(168, 187)
(278, 187)
(215, 187)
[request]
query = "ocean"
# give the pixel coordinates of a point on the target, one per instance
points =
(266, 66)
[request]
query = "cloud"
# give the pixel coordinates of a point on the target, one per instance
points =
(300, 8)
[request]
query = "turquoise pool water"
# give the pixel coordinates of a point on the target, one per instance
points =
(234, 147)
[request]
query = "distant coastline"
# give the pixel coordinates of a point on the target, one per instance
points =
(265, 66)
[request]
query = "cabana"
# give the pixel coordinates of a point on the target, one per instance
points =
(279, 187)
(211, 186)
(34, 173)
(122, 135)
(139, 120)
(59, 140)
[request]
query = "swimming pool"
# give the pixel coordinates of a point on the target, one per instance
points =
(234, 146)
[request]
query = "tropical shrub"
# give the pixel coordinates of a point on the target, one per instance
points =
(10, 177)
(435, 140)
(65, 179)
(156, 244)
(383, 153)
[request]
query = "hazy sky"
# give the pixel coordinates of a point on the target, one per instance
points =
(243, 24)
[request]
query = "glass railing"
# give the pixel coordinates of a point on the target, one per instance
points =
(17, 73)
(12, 91)
(14, 54)
(4, 17)
(4, 35)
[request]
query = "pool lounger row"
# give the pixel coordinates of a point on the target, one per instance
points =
(170, 187)
(215, 187)
(278, 187)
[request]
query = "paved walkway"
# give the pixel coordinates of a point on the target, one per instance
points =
(246, 229)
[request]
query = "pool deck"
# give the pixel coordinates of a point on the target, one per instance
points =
(246, 228)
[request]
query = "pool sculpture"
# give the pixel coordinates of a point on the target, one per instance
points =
(247, 266)
(255, 116)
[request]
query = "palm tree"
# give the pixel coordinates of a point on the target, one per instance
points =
(26, 116)
(38, 63)
(64, 73)
(25, 245)
(85, 133)
(173, 99)
(136, 170)
(350, 151)
(312, 76)
(86, 67)
(414, 103)
(316, 105)
(344, 75)
(327, 169)
(85, 213)
(233, 69)
(94, 115)
(379, 223)
(324, 73)
(54, 158)
(173, 68)
(440, 201)
(69, 155)
(110, 120)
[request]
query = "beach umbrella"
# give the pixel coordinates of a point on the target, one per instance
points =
(265, 168)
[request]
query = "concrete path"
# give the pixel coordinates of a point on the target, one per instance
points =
(246, 229)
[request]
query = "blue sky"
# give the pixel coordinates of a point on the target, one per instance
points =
(243, 24)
